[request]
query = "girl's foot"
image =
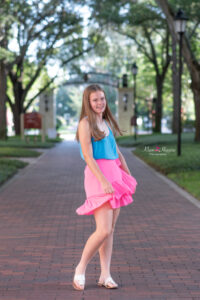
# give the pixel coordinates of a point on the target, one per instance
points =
(109, 283)
(79, 282)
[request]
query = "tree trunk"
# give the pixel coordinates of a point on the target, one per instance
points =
(3, 87)
(16, 119)
(196, 91)
(192, 64)
(3, 84)
(17, 108)
(175, 79)
(158, 115)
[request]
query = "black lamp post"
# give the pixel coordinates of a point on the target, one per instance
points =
(134, 72)
(180, 24)
(46, 102)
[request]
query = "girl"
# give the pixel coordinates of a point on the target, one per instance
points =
(108, 182)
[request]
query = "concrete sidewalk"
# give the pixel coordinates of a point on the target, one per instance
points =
(156, 253)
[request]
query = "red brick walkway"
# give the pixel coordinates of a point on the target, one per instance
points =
(156, 253)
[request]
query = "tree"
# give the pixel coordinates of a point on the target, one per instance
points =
(44, 31)
(142, 23)
(3, 88)
(190, 50)
(64, 103)
(5, 57)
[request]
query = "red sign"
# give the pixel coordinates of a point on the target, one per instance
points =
(32, 120)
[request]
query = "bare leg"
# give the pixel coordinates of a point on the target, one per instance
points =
(105, 250)
(103, 217)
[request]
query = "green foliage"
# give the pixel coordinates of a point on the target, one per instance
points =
(64, 103)
(9, 167)
(18, 152)
(192, 11)
(111, 96)
(188, 180)
(152, 139)
(75, 95)
(169, 163)
(6, 55)
(184, 170)
(133, 20)
(189, 124)
(15, 141)
(45, 32)
(60, 121)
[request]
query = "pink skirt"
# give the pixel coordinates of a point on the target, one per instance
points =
(124, 186)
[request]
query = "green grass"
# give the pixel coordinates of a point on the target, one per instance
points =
(15, 141)
(153, 139)
(9, 167)
(169, 162)
(18, 152)
(15, 147)
(184, 169)
(189, 180)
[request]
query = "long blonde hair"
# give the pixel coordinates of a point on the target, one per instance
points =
(86, 110)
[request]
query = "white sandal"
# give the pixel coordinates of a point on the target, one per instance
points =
(80, 279)
(106, 283)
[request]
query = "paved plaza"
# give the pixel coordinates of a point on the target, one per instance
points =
(156, 251)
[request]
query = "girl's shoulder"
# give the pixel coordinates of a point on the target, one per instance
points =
(83, 122)
(84, 126)
(84, 119)
(108, 124)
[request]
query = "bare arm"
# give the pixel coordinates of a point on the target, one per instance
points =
(123, 161)
(86, 146)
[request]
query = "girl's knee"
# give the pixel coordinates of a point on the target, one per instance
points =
(104, 233)
(112, 230)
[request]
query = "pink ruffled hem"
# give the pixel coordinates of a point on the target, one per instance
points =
(122, 195)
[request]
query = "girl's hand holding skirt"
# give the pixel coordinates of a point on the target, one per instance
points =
(124, 186)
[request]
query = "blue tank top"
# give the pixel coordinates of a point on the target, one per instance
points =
(105, 148)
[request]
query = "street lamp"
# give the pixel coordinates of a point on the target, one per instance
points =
(46, 103)
(134, 72)
(85, 77)
(179, 25)
(125, 80)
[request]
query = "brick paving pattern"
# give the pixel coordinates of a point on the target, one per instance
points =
(156, 252)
